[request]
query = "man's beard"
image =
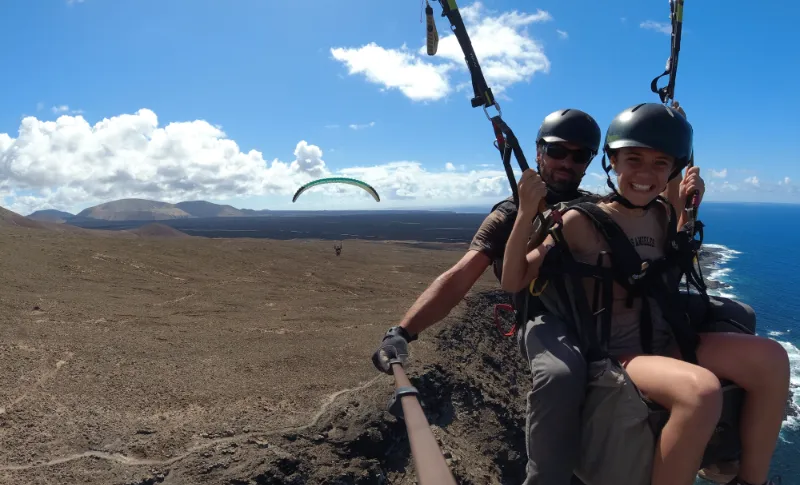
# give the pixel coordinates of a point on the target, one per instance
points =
(570, 183)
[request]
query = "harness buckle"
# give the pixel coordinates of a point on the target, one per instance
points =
(642, 273)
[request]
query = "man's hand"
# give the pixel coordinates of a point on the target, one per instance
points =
(394, 348)
(532, 190)
(691, 183)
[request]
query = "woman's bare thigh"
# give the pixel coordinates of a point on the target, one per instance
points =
(669, 381)
(741, 358)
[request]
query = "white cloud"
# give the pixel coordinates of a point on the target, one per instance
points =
(753, 189)
(720, 174)
(663, 27)
(504, 48)
(449, 167)
(716, 187)
(410, 180)
(562, 34)
(361, 127)
(65, 109)
(69, 163)
(595, 187)
(396, 69)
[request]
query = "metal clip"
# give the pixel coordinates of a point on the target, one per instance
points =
(643, 272)
(395, 406)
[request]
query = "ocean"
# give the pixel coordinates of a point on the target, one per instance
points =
(761, 265)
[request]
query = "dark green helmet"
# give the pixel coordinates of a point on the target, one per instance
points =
(652, 125)
(571, 126)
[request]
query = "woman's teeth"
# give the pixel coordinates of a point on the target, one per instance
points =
(641, 187)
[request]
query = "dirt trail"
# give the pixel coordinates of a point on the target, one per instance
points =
(127, 460)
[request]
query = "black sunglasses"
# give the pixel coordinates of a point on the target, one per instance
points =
(560, 152)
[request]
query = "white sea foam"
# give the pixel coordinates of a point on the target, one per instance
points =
(720, 273)
(793, 422)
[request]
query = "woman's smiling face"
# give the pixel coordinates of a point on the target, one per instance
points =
(642, 173)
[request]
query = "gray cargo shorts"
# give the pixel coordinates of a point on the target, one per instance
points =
(559, 378)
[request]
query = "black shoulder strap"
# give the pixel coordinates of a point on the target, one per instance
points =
(564, 274)
(624, 256)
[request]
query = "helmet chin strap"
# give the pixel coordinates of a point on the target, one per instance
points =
(617, 197)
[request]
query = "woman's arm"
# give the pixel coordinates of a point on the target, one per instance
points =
(531, 190)
(519, 269)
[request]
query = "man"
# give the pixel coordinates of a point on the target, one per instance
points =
(566, 143)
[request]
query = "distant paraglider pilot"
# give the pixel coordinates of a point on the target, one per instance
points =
(338, 248)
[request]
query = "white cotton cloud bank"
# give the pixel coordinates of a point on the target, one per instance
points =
(69, 164)
(506, 52)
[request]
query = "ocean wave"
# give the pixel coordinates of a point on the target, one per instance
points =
(793, 419)
(722, 248)
(713, 259)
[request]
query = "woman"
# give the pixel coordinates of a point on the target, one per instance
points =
(648, 145)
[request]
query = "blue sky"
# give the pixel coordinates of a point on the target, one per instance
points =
(241, 102)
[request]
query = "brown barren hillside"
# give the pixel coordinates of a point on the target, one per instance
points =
(12, 219)
(133, 209)
(221, 361)
(157, 230)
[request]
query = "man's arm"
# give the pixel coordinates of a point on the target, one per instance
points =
(445, 292)
(450, 287)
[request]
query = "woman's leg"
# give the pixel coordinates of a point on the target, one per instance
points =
(761, 367)
(694, 398)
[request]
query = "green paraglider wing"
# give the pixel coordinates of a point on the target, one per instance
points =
(338, 180)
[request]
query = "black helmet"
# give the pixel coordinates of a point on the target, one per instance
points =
(652, 125)
(571, 126)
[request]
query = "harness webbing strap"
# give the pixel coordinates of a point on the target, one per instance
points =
(627, 266)
(641, 279)
(667, 92)
(566, 275)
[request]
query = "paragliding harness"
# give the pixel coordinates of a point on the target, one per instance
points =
(619, 424)
(643, 279)
(525, 304)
